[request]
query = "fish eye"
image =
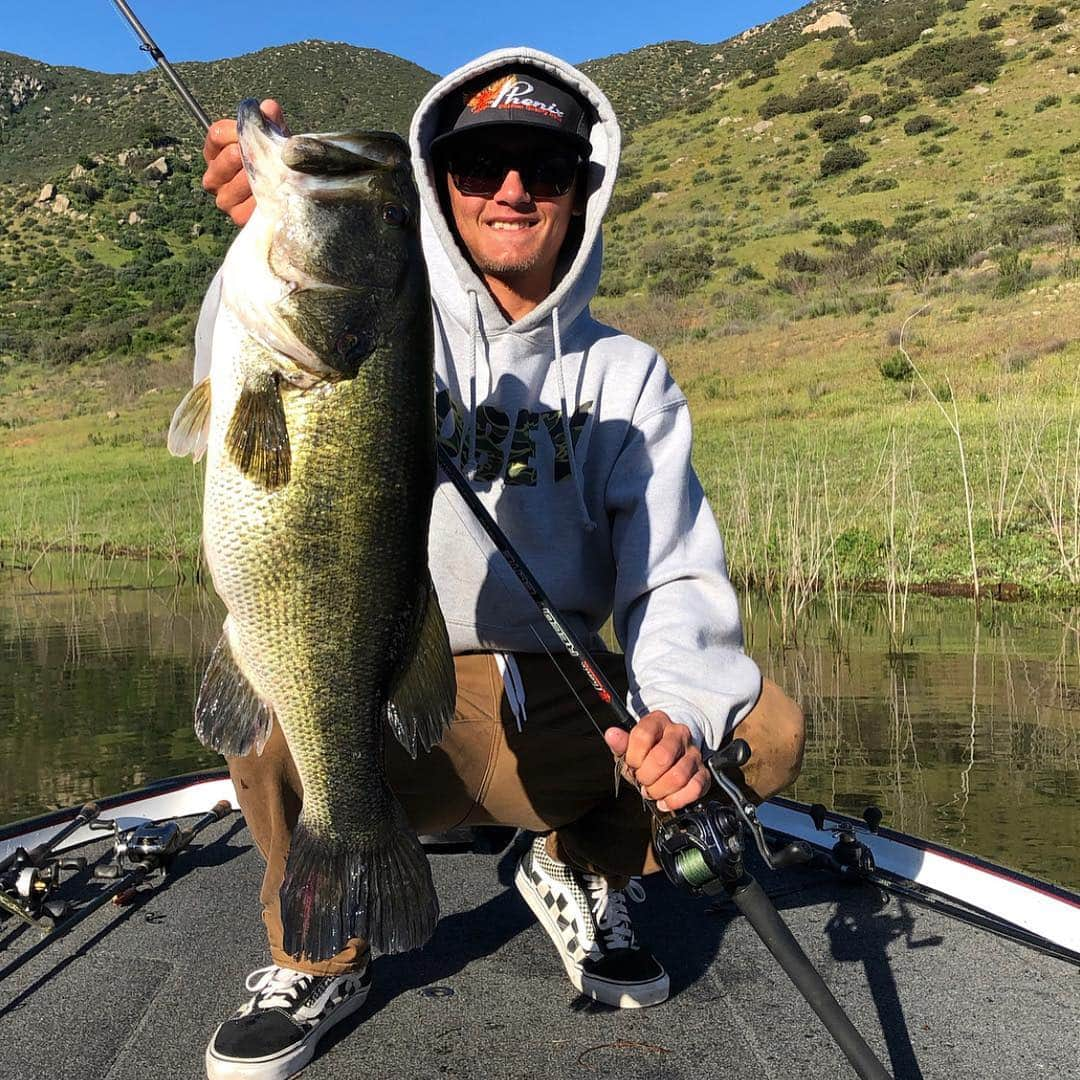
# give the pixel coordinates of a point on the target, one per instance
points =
(393, 214)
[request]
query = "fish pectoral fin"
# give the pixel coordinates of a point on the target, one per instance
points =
(421, 705)
(190, 424)
(257, 437)
(229, 716)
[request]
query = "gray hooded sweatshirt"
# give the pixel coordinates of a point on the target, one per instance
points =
(577, 440)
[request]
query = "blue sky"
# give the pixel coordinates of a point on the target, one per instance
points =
(437, 35)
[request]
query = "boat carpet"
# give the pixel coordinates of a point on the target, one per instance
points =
(134, 994)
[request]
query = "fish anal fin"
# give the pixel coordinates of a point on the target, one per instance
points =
(421, 705)
(257, 437)
(190, 424)
(229, 716)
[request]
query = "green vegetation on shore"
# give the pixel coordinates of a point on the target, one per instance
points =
(788, 201)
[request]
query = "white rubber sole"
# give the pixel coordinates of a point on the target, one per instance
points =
(288, 1063)
(615, 994)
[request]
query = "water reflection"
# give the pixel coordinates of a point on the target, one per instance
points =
(96, 692)
(968, 732)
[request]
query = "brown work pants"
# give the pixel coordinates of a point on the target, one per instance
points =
(555, 775)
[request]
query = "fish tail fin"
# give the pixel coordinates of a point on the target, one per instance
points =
(229, 716)
(257, 436)
(190, 424)
(421, 705)
(332, 893)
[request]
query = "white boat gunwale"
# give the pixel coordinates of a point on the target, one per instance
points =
(1049, 911)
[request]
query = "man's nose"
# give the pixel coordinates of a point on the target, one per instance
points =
(513, 189)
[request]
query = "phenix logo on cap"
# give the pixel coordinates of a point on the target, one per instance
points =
(512, 92)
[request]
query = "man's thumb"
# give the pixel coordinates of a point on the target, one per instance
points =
(617, 740)
(272, 111)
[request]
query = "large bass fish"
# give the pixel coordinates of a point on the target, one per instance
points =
(317, 424)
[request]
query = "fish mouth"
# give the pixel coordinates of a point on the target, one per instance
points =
(339, 155)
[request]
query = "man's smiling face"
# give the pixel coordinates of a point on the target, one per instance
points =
(513, 234)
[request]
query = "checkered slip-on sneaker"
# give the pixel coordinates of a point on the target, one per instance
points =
(590, 926)
(274, 1035)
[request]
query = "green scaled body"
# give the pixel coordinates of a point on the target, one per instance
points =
(320, 474)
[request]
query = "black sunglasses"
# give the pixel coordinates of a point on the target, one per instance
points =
(481, 170)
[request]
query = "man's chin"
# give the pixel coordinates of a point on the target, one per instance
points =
(510, 268)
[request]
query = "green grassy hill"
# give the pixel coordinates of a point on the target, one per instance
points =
(787, 199)
(64, 111)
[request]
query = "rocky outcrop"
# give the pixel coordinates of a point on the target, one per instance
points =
(48, 191)
(832, 21)
(157, 169)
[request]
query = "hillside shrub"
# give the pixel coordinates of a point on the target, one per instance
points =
(674, 268)
(896, 102)
(861, 185)
(948, 68)
(626, 199)
(815, 95)
(842, 158)
(801, 262)
(883, 30)
(1045, 17)
(916, 125)
(836, 126)
(923, 259)
(897, 368)
(747, 272)
(989, 22)
(1014, 273)
(865, 228)
(865, 103)
(1048, 102)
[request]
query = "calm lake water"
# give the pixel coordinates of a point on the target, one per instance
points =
(968, 733)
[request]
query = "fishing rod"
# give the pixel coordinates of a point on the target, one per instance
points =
(149, 46)
(28, 877)
(147, 848)
(700, 847)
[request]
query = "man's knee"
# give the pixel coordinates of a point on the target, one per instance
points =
(776, 731)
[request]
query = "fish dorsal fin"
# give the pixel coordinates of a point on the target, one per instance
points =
(421, 704)
(191, 422)
(257, 437)
(229, 716)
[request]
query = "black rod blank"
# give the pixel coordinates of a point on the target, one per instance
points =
(149, 45)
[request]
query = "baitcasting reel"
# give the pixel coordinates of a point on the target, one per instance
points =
(701, 847)
(149, 845)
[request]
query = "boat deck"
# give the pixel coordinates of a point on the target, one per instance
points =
(135, 994)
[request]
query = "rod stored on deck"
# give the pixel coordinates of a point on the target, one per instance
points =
(143, 865)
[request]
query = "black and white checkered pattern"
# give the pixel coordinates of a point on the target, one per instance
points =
(274, 1034)
(589, 923)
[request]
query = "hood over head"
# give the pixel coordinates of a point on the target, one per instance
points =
(458, 290)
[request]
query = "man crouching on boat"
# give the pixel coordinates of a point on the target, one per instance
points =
(578, 441)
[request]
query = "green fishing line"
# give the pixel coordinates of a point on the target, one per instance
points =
(693, 867)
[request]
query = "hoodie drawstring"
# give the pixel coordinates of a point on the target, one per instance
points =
(474, 338)
(575, 469)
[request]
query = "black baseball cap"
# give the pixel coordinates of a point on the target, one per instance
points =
(521, 96)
